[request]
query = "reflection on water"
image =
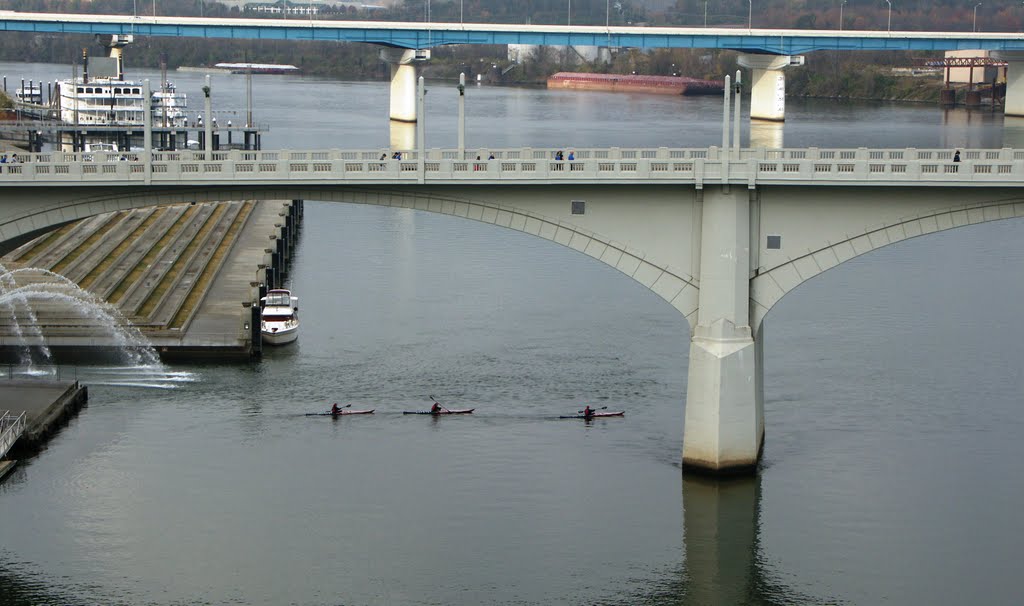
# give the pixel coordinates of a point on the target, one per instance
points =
(766, 134)
(1013, 132)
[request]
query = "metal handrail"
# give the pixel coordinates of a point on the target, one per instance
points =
(11, 428)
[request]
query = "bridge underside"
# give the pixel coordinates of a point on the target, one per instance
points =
(723, 256)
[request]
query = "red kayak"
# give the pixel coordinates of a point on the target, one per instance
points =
(594, 415)
(341, 413)
(457, 411)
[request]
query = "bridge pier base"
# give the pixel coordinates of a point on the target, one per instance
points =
(403, 81)
(1013, 105)
(768, 84)
(724, 430)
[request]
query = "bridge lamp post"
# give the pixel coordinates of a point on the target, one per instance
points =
(705, 13)
(750, 14)
(888, 24)
(841, 5)
(607, 13)
(975, 28)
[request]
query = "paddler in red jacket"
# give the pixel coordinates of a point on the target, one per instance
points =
(335, 410)
(435, 409)
(588, 412)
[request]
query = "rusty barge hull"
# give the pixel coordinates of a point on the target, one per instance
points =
(659, 85)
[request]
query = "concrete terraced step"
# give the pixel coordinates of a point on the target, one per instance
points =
(108, 281)
(87, 261)
(193, 267)
(144, 287)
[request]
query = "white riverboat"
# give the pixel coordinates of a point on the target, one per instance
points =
(101, 96)
(279, 319)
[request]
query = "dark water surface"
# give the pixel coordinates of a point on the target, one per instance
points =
(893, 388)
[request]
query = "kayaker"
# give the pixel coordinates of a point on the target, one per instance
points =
(435, 409)
(588, 411)
(335, 410)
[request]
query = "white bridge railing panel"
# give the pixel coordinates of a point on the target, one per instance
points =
(753, 166)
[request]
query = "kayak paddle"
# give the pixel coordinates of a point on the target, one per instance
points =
(438, 403)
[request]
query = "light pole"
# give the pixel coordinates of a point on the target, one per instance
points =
(976, 16)
(705, 13)
(607, 13)
(841, 5)
(888, 24)
(568, 14)
(750, 14)
(460, 11)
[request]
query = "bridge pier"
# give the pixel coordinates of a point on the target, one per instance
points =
(1013, 105)
(403, 81)
(724, 430)
(768, 84)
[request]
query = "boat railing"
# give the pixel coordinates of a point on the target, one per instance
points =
(11, 428)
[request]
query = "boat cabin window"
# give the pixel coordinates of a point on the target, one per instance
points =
(81, 89)
(279, 300)
(276, 318)
(89, 90)
(117, 91)
(136, 91)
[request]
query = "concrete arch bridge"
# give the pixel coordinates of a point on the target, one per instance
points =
(722, 235)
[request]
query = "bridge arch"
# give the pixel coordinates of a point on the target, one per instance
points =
(676, 287)
(769, 286)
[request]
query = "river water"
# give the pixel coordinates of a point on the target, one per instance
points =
(892, 396)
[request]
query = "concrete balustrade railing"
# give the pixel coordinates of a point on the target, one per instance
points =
(528, 165)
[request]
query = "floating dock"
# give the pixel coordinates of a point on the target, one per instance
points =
(47, 405)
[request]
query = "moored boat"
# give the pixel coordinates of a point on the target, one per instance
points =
(279, 318)
(662, 85)
(102, 96)
(258, 68)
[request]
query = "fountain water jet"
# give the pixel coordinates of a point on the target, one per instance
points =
(65, 294)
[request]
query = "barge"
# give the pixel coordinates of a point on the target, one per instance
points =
(661, 85)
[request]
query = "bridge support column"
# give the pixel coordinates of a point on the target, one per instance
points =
(403, 81)
(1013, 105)
(724, 430)
(768, 84)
